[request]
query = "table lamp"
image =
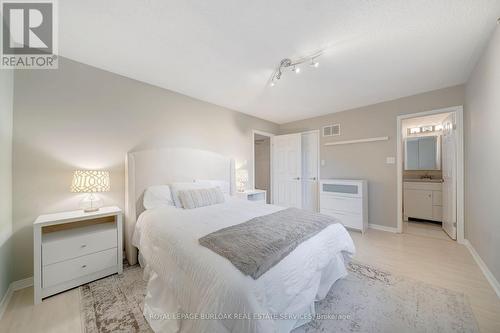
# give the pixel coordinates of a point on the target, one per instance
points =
(241, 180)
(90, 182)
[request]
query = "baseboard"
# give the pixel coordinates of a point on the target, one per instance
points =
(5, 300)
(487, 273)
(14, 286)
(382, 228)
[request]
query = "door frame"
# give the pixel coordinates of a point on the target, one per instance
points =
(269, 135)
(459, 111)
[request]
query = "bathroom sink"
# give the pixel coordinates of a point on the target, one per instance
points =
(424, 180)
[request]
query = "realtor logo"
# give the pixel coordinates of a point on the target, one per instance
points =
(29, 34)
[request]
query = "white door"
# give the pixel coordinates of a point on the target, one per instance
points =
(287, 170)
(310, 146)
(449, 161)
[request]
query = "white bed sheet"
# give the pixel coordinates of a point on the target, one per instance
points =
(185, 277)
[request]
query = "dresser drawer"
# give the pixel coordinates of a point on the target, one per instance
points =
(71, 269)
(344, 204)
(68, 244)
(349, 220)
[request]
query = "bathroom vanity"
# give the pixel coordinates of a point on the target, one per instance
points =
(423, 199)
(422, 183)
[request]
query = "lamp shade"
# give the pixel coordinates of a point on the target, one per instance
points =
(90, 181)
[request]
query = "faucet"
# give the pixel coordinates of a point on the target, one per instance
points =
(426, 176)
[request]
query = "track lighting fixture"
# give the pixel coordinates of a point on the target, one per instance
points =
(293, 65)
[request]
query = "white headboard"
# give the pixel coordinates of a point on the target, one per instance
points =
(164, 166)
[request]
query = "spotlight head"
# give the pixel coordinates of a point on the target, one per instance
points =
(314, 63)
(296, 69)
(272, 84)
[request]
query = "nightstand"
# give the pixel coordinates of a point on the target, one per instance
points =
(74, 248)
(253, 195)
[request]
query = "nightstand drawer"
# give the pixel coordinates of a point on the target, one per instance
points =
(72, 269)
(68, 244)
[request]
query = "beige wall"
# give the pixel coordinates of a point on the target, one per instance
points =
(368, 160)
(6, 114)
(482, 118)
(82, 117)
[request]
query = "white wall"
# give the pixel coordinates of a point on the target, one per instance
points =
(82, 117)
(6, 114)
(368, 160)
(482, 117)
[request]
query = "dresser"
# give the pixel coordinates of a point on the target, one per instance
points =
(74, 248)
(346, 200)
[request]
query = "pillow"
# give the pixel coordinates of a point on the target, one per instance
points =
(201, 197)
(157, 196)
(176, 187)
(222, 184)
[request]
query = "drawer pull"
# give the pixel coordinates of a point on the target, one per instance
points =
(84, 266)
(83, 246)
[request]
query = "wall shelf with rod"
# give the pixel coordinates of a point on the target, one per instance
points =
(380, 138)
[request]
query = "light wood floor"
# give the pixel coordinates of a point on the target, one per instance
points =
(426, 229)
(439, 262)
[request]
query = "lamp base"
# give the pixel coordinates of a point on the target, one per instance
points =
(91, 203)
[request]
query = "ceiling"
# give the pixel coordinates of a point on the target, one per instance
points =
(224, 51)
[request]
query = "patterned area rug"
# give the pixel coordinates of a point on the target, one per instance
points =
(368, 300)
(115, 303)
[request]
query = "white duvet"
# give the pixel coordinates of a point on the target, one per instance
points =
(192, 289)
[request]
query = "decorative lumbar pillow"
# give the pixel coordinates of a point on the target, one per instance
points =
(157, 196)
(175, 188)
(201, 197)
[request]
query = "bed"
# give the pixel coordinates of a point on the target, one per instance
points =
(193, 289)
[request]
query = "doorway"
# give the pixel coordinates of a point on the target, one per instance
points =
(262, 163)
(295, 170)
(430, 174)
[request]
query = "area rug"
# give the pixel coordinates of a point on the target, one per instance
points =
(367, 300)
(115, 303)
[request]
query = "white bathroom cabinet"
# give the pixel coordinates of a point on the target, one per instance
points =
(423, 200)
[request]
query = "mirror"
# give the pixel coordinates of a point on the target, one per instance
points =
(423, 153)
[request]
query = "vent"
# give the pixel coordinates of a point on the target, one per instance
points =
(331, 130)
